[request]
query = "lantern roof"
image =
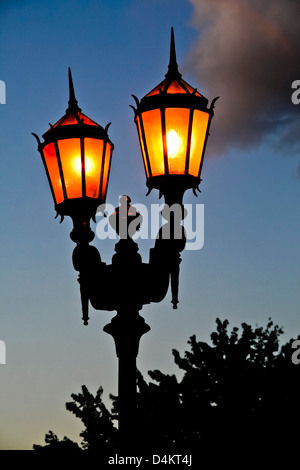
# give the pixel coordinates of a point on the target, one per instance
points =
(173, 82)
(173, 91)
(74, 117)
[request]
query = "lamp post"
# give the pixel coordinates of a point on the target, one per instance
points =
(173, 122)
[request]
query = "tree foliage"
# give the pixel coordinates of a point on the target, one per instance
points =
(240, 391)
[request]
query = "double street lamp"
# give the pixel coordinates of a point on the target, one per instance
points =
(173, 123)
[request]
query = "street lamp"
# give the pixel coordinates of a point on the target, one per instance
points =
(76, 153)
(173, 122)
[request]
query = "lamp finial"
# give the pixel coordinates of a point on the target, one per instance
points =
(73, 103)
(173, 67)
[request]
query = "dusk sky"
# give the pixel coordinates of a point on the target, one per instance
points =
(247, 52)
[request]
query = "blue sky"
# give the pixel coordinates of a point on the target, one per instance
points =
(248, 269)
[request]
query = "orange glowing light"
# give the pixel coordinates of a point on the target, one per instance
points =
(174, 144)
(177, 123)
(89, 165)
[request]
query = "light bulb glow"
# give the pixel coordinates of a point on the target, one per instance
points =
(89, 165)
(174, 144)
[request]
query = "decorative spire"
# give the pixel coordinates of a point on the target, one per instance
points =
(73, 104)
(173, 67)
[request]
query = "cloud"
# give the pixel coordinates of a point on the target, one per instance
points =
(248, 53)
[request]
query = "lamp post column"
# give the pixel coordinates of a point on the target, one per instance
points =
(127, 328)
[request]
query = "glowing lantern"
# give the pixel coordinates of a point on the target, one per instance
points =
(76, 153)
(173, 123)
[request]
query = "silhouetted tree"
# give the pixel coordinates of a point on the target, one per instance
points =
(53, 443)
(99, 432)
(239, 392)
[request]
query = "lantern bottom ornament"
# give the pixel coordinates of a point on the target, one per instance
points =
(173, 187)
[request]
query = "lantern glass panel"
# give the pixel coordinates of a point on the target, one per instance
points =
(175, 87)
(93, 151)
(107, 158)
(86, 120)
(190, 88)
(154, 141)
(157, 89)
(69, 120)
(142, 146)
(199, 128)
(53, 170)
(177, 124)
(70, 155)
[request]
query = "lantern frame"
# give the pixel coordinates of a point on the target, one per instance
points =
(172, 185)
(82, 127)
